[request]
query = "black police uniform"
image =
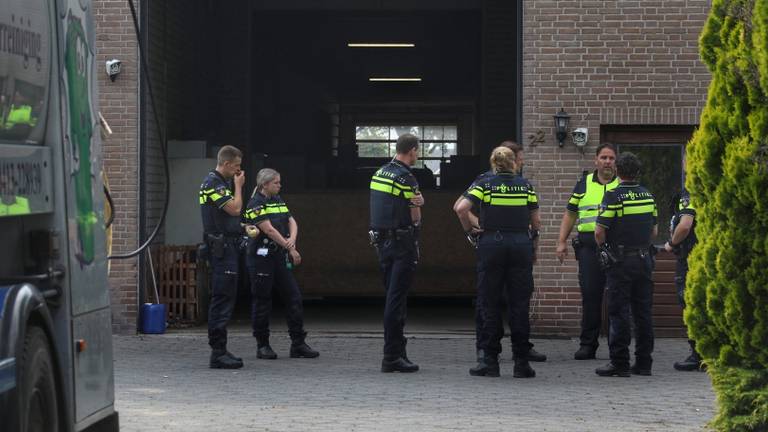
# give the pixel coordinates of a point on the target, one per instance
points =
(268, 265)
(395, 238)
(629, 214)
(221, 233)
(505, 258)
(681, 251)
(478, 306)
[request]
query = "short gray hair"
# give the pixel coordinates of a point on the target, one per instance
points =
(264, 176)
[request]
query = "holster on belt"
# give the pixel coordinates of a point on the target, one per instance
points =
(610, 256)
(216, 245)
(576, 243)
(376, 236)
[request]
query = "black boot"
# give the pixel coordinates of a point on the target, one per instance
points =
(220, 360)
(642, 367)
(300, 349)
(263, 350)
(233, 357)
(487, 366)
(612, 370)
(266, 352)
(523, 369)
(535, 356)
(585, 352)
(532, 356)
(399, 364)
(692, 363)
(480, 355)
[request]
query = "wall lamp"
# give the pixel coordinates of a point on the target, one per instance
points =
(561, 126)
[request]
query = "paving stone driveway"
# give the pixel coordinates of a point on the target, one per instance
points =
(163, 384)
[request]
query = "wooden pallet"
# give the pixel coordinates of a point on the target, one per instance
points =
(176, 275)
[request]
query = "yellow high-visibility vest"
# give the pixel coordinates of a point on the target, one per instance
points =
(589, 203)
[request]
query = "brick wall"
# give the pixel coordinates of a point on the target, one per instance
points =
(119, 105)
(605, 63)
(199, 94)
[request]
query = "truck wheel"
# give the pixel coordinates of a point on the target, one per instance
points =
(39, 407)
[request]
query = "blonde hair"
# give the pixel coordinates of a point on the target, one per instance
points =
(503, 159)
(264, 176)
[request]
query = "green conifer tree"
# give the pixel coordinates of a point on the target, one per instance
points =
(727, 286)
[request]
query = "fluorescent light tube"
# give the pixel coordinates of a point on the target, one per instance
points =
(404, 79)
(381, 45)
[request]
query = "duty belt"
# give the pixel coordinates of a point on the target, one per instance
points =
(226, 237)
(494, 231)
(384, 234)
(639, 252)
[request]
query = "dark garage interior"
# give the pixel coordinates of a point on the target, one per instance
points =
(279, 80)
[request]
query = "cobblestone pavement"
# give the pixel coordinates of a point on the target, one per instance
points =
(163, 384)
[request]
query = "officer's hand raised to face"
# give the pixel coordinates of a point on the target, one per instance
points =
(561, 251)
(418, 200)
(240, 178)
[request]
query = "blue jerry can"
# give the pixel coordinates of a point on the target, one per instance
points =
(153, 318)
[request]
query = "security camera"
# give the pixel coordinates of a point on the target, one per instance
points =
(113, 68)
(580, 136)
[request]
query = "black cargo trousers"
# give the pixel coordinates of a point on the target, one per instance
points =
(398, 256)
(630, 293)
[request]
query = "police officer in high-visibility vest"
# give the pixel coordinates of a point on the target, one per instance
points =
(271, 254)
(509, 224)
(532, 355)
(582, 210)
(395, 223)
(220, 206)
(626, 225)
(681, 242)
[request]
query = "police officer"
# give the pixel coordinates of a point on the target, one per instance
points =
(506, 252)
(220, 207)
(583, 204)
(532, 355)
(395, 223)
(271, 253)
(681, 242)
(626, 224)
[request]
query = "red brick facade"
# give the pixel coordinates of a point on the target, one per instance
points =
(605, 63)
(118, 102)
